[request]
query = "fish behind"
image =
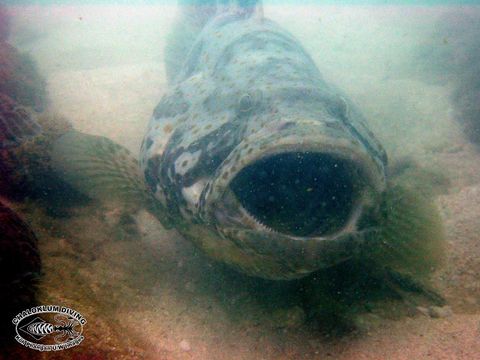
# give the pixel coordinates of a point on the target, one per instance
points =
(258, 160)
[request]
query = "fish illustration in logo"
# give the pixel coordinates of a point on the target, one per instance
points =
(62, 330)
(49, 327)
(259, 161)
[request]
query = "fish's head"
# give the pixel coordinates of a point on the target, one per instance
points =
(295, 186)
(290, 186)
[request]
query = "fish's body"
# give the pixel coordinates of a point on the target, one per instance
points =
(254, 157)
(248, 92)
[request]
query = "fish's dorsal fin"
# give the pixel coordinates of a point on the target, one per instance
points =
(246, 8)
(199, 12)
(103, 170)
(192, 17)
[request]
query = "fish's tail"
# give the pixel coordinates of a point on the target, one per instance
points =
(103, 170)
(192, 17)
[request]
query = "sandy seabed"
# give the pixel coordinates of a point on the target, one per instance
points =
(148, 293)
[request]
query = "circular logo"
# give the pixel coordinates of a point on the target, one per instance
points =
(49, 327)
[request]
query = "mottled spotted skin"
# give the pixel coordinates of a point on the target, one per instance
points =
(247, 85)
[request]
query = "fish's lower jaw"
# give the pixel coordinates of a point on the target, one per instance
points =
(276, 256)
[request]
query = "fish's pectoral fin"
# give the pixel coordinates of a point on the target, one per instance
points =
(411, 237)
(410, 243)
(103, 170)
(404, 285)
(430, 180)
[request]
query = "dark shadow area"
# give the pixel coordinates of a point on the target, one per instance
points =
(452, 54)
(302, 194)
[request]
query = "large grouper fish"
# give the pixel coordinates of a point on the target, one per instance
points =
(259, 161)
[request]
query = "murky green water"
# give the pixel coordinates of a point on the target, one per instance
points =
(149, 292)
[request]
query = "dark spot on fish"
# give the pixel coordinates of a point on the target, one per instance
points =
(286, 125)
(246, 103)
(184, 163)
(171, 106)
(333, 125)
(151, 172)
(168, 128)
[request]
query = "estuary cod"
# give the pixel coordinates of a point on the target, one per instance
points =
(260, 162)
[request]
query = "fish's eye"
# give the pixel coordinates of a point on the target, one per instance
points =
(245, 103)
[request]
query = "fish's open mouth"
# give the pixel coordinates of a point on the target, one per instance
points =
(299, 193)
(304, 187)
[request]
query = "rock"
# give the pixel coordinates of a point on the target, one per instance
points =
(423, 310)
(289, 318)
(440, 311)
(314, 344)
(469, 300)
(190, 286)
(112, 216)
(185, 345)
